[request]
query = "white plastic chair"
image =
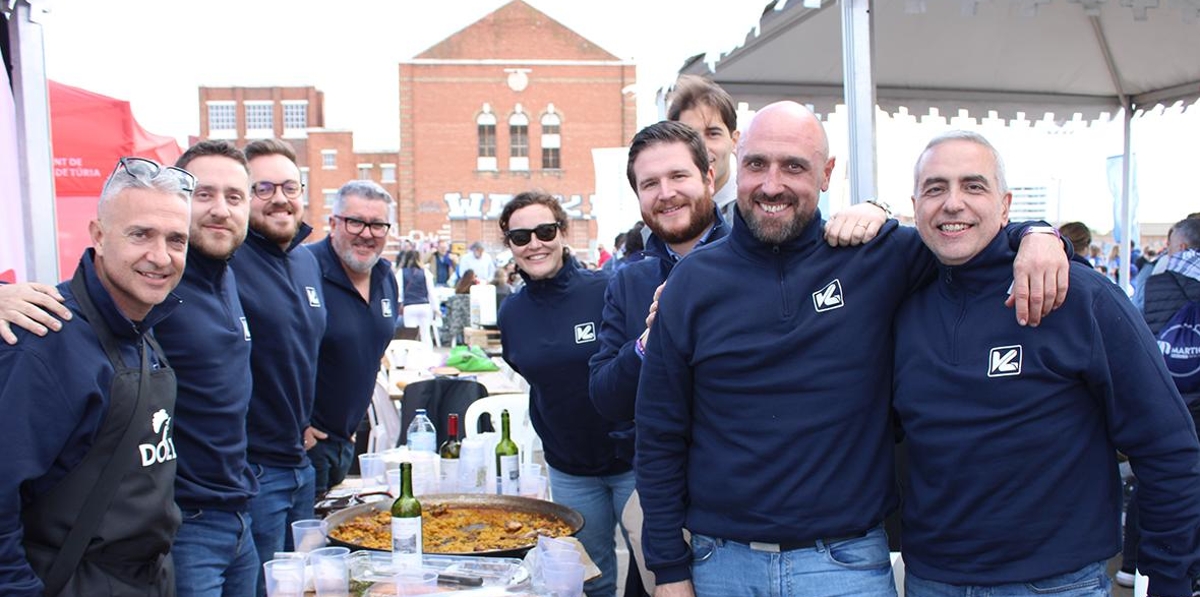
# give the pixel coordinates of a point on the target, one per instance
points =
(384, 419)
(519, 424)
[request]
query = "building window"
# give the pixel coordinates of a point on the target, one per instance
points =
(364, 171)
(304, 183)
(518, 140)
(222, 120)
(330, 195)
(387, 173)
(260, 119)
(295, 118)
(329, 159)
(486, 123)
(551, 140)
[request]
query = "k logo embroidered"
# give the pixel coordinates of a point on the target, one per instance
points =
(829, 297)
(1004, 361)
(585, 332)
(314, 299)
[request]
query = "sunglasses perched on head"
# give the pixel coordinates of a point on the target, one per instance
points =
(544, 232)
(148, 170)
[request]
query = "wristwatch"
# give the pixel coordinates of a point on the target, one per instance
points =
(887, 209)
(1042, 230)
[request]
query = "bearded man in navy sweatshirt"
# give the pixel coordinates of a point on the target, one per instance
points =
(1013, 432)
(762, 412)
(280, 288)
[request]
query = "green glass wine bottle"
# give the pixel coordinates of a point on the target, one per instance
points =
(406, 523)
(508, 459)
(449, 452)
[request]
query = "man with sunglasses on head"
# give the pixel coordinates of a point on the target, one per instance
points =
(363, 303)
(281, 291)
(86, 484)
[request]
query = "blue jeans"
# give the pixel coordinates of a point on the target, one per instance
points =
(600, 500)
(331, 459)
(285, 495)
(860, 567)
(214, 555)
(1090, 581)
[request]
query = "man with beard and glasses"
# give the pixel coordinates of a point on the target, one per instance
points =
(207, 342)
(763, 424)
(281, 291)
(362, 299)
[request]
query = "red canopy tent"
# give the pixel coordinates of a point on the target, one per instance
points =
(90, 133)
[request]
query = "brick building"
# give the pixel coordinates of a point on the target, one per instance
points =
(515, 101)
(512, 102)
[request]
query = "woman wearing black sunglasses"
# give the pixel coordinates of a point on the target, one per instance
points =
(549, 330)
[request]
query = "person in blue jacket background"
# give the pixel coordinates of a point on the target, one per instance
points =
(548, 332)
(1013, 432)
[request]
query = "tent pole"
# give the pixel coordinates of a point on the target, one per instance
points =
(35, 159)
(859, 75)
(1126, 222)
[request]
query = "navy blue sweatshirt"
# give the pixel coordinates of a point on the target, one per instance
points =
(356, 335)
(616, 366)
(54, 393)
(764, 417)
(284, 302)
(1013, 431)
(208, 345)
(548, 330)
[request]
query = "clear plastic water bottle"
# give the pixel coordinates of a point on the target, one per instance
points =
(422, 436)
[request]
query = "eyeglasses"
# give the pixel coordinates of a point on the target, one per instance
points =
(148, 170)
(265, 189)
(522, 236)
(355, 226)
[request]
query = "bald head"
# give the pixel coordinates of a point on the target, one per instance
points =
(783, 166)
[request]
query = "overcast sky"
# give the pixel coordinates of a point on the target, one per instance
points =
(156, 53)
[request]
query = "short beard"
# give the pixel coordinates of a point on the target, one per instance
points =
(775, 233)
(703, 216)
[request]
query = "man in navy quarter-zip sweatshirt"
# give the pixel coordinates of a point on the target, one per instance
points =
(1012, 433)
(363, 304)
(762, 412)
(280, 287)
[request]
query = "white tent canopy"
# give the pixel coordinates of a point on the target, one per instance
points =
(1065, 57)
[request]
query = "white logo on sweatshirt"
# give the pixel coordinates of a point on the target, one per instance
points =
(314, 299)
(245, 328)
(164, 450)
(829, 297)
(1004, 361)
(585, 332)
(386, 304)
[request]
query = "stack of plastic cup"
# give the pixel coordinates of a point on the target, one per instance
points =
(473, 467)
(331, 577)
(563, 579)
(426, 479)
(308, 535)
(372, 468)
(284, 577)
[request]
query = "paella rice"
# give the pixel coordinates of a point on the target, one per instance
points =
(456, 529)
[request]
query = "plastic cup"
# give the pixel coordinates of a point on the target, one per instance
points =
(371, 468)
(331, 577)
(533, 486)
(308, 535)
(284, 578)
(393, 481)
(416, 583)
(561, 556)
(563, 580)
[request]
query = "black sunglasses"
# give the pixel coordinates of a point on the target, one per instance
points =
(522, 236)
(355, 226)
(265, 189)
(148, 170)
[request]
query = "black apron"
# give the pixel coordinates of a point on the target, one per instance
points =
(106, 528)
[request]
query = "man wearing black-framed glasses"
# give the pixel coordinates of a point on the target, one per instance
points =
(363, 301)
(86, 481)
(280, 288)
